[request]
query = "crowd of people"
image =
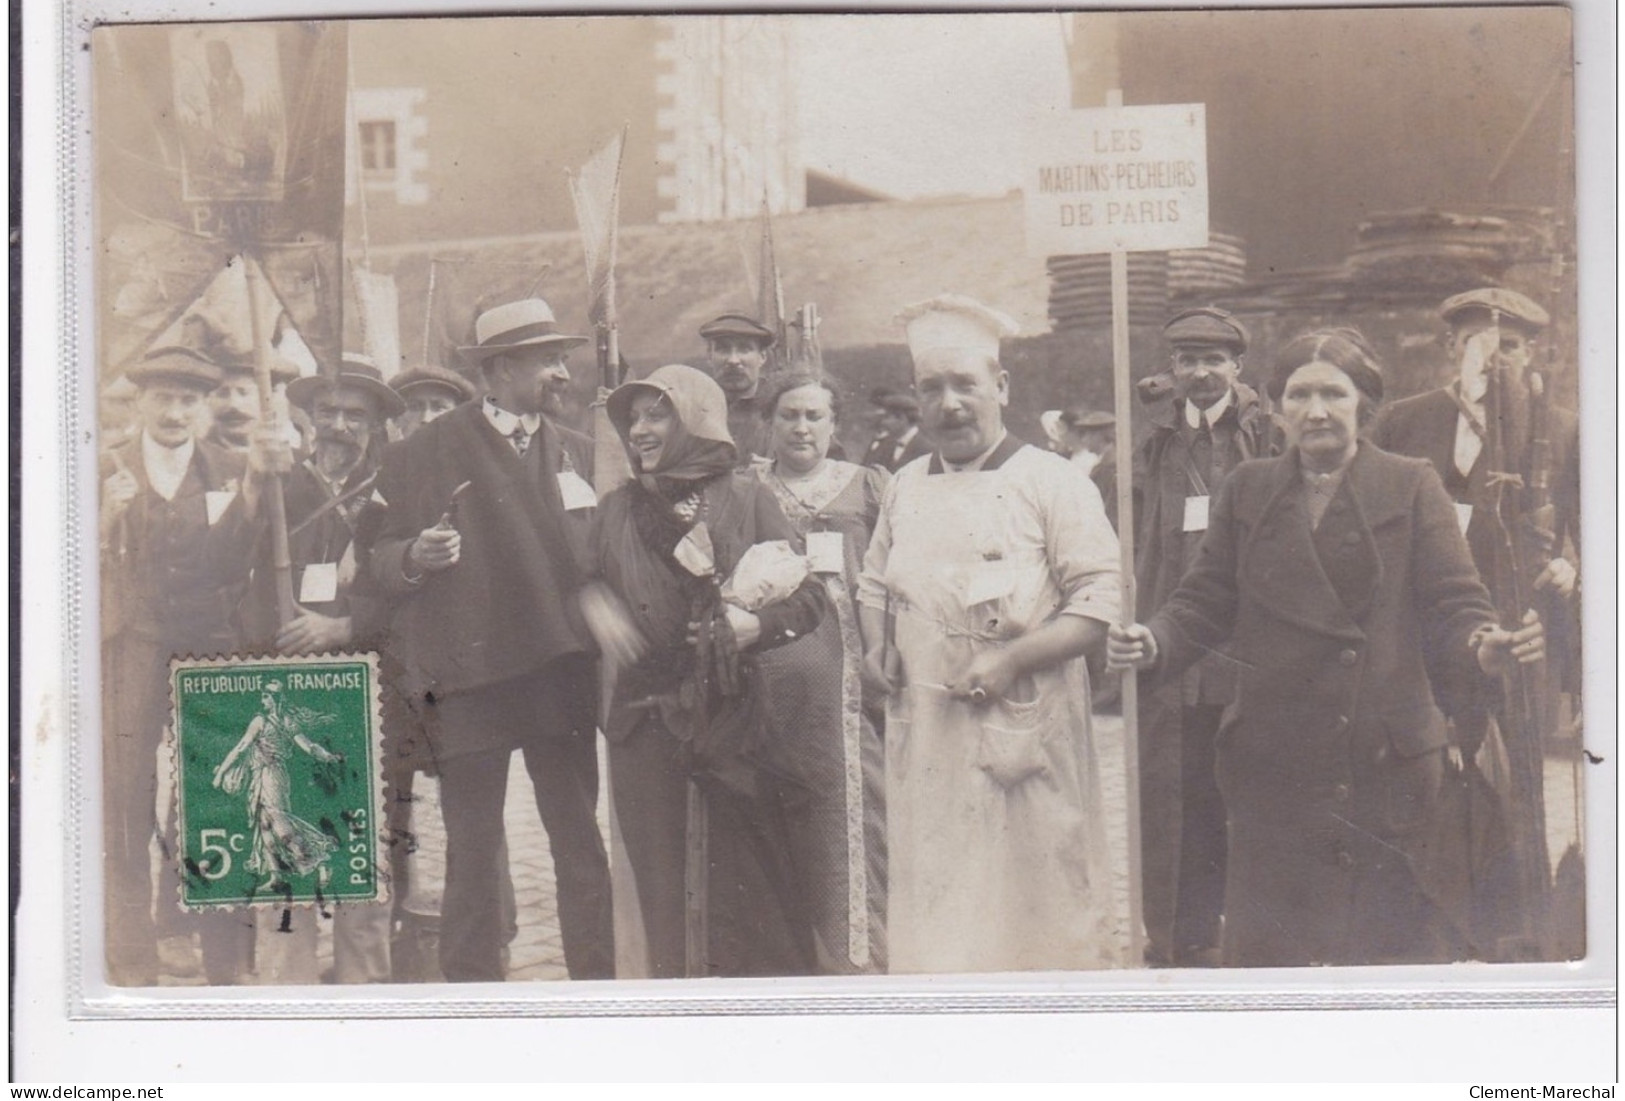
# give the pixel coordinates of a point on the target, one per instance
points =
(848, 708)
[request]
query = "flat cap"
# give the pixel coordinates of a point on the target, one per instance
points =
(433, 377)
(1084, 419)
(1206, 325)
(176, 365)
(738, 324)
(1510, 305)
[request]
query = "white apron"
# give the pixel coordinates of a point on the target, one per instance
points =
(998, 857)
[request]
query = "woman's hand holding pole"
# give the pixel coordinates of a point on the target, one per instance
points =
(1130, 647)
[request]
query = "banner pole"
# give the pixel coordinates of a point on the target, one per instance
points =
(1122, 391)
(276, 507)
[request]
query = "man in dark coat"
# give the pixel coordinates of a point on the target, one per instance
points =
(736, 347)
(1090, 441)
(176, 528)
(1202, 425)
(483, 545)
(899, 440)
(327, 497)
(1492, 338)
(430, 392)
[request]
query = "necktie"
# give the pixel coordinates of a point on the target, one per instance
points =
(521, 439)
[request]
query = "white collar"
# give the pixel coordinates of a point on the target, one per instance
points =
(505, 422)
(1194, 416)
(978, 462)
(166, 466)
(902, 441)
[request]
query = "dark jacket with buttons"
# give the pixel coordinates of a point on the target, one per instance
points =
(1331, 760)
(508, 608)
(169, 570)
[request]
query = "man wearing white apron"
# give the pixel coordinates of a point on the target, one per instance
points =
(992, 571)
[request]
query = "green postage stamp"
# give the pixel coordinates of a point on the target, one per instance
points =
(279, 781)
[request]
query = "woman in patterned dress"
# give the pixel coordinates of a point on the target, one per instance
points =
(819, 743)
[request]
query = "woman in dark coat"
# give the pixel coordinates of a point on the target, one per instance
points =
(686, 703)
(1334, 577)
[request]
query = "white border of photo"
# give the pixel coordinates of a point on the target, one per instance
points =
(1534, 1021)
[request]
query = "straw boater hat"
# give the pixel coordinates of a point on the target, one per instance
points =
(528, 323)
(429, 377)
(954, 321)
(355, 371)
(177, 366)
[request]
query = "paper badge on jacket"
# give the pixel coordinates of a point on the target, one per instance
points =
(319, 583)
(575, 491)
(217, 501)
(825, 553)
(989, 582)
(694, 552)
(1195, 514)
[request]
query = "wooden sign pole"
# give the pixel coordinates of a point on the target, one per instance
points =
(1123, 395)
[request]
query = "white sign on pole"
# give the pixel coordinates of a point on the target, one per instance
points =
(1118, 179)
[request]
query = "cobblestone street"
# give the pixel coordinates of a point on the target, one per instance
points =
(537, 955)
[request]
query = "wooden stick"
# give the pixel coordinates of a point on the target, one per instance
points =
(697, 886)
(277, 509)
(1123, 386)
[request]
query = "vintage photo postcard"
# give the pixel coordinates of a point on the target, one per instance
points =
(799, 504)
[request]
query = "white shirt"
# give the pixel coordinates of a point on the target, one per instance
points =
(1085, 460)
(1194, 416)
(1469, 441)
(166, 466)
(505, 422)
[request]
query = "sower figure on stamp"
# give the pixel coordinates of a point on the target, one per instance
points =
(1510, 462)
(483, 545)
(991, 572)
(176, 528)
(736, 347)
(1201, 428)
(326, 498)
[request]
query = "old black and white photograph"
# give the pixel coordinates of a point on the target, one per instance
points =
(833, 496)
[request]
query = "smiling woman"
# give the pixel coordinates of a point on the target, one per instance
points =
(684, 723)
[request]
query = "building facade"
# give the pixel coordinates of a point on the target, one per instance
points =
(464, 129)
